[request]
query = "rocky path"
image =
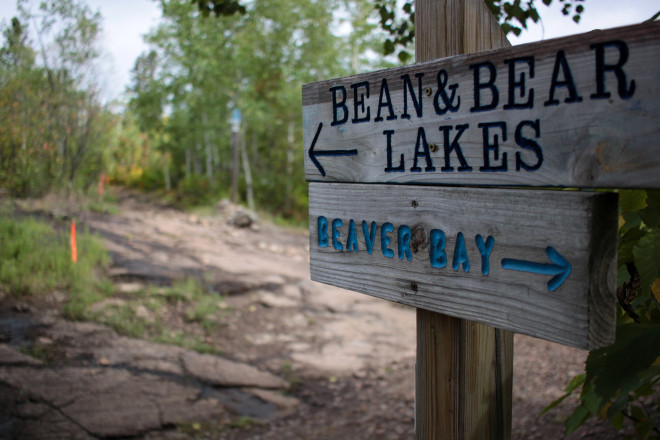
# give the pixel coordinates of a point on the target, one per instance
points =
(297, 359)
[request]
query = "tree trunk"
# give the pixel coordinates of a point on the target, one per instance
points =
(248, 173)
(166, 175)
(288, 203)
(207, 148)
(188, 163)
(234, 167)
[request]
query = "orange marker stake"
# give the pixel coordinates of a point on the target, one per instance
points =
(101, 182)
(74, 249)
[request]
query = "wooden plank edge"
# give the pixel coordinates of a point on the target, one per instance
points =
(601, 297)
(632, 33)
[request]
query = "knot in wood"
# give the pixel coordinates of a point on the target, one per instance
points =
(419, 237)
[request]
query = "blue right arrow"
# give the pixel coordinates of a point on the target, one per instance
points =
(558, 267)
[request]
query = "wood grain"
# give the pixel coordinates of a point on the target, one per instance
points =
(585, 142)
(581, 226)
(465, 391)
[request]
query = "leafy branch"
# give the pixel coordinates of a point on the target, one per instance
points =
(513, 16)
(621, 381)
(399, 24)
(219, 7)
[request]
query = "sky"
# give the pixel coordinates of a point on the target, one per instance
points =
(124, 24)
(126, 21)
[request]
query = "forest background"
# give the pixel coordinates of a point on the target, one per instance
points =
(171, 130)
(178, 134)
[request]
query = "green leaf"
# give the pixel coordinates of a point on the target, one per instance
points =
(646, 253)
(647, 389)
(592, 401)
(643, 426)
(632, 221)
(631, 200)
(616, 411)
(534, 15)
(388, 47)
(579, 416)
(575, 382)
(627, 242)
(651, 214)
(404, 56)
(617, 420)
(628, 363)
(622, 275)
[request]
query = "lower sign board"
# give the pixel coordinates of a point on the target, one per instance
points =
(540, 263)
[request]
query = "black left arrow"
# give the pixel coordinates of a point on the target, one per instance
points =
(314, 154)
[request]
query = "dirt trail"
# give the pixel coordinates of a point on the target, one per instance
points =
(299, 360)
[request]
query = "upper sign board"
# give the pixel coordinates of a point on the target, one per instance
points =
(580, 111)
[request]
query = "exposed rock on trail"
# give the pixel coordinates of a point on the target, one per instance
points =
(103, 385)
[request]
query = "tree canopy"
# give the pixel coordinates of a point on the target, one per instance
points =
(400, 23)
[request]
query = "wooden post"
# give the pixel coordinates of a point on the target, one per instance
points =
(464, 371)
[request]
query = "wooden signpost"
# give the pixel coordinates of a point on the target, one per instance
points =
(580, 111)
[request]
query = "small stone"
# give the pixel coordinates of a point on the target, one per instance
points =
(129, 287)
(22, 307)
(142, 312)
(44, 340)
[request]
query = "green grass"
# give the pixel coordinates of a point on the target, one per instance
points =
(104, 204)
(124, 320)
(102, 207)
(201, 307)
(35, 259)
(202, 310)
(244, 422)
(185, 290)
(186, 340)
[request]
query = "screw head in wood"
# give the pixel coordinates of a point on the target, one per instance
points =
(414, 204)
(413, 286)
(433, 147)
(428, 91)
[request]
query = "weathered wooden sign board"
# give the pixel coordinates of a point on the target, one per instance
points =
(535, 262)
(580, 111)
